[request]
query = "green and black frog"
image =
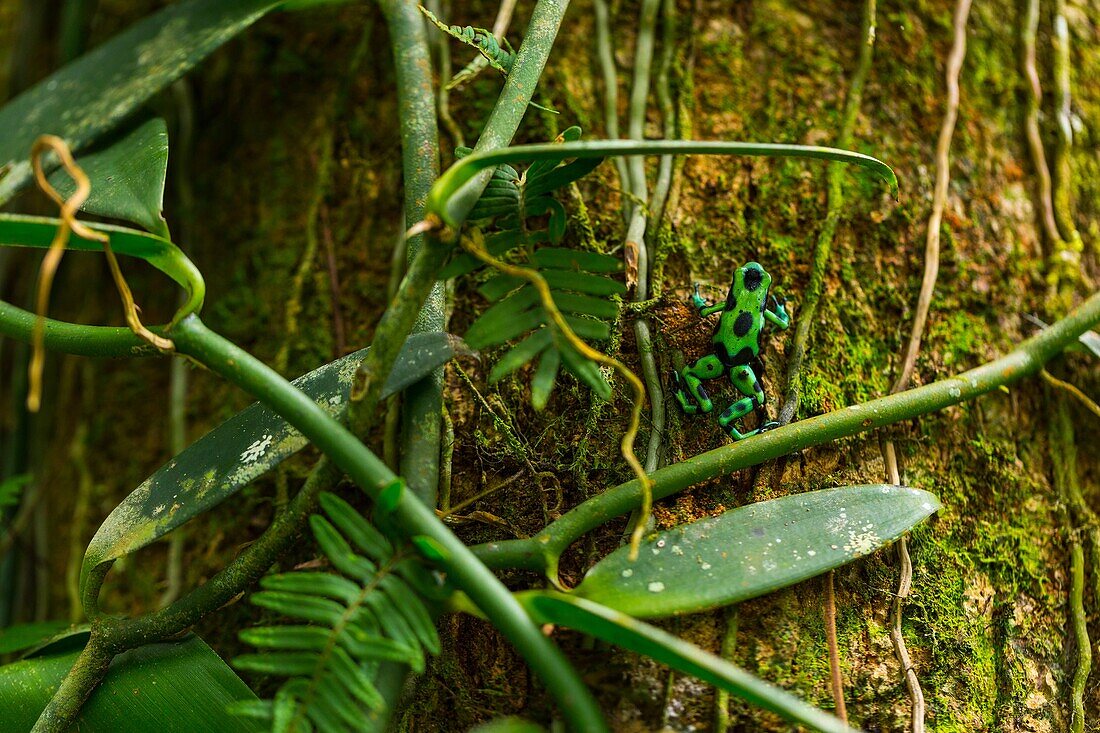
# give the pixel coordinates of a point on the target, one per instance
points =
(736, 342)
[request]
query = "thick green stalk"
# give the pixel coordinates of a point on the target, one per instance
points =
(370, 474)
(412, 516)
(514, 98)
(423, 402)
(541, 552)
(399, 318)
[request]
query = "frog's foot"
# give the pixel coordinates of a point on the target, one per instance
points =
(769, 425)
(679, 390)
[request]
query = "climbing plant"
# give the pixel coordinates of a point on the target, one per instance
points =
(340, 632)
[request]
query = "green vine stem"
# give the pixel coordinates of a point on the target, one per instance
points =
(398, 320)
(410, 516)
(605, 56)
(542, 551)
(449, 197)
(423, 402)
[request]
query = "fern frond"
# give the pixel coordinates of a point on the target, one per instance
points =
(524, 211)
(497, 54)
(365, 613)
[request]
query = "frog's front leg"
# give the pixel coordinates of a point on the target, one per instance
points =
(776, 313)
(744, 379)
(688, 387)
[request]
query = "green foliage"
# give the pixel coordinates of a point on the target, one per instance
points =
(498, 55)
(171, 687)
(629, 633)
(25, 636)
(754, 549)
(127, 176)
(238, 451)
(369, 610)
(92, 95)
(579, 282)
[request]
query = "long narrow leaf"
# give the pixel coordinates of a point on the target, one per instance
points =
(91, 95)
(455, 177)
(217, 465)
(755, 549)
(629, 633)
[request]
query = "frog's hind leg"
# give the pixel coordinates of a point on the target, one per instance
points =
(688, 384)
(746, 382)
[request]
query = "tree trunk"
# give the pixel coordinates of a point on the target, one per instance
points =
(988, 622)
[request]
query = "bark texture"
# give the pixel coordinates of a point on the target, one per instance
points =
(986, 623)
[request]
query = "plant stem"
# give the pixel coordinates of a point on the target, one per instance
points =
(542, 551)
(606, 58)
(86, 673)
(836, 678)
(423, 402)
(411, 516)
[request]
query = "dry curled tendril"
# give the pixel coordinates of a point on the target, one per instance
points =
(70, 224)
(474, 243)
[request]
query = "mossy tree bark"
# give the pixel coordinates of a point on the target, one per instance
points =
(986, 624)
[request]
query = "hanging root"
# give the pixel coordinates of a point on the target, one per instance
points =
(50, 262)
(474, 243)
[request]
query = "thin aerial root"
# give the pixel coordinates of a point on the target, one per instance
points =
(474, 243)
(70, 224)
(836, 679)
(1072, 390)
(939, 197)
(905, 582)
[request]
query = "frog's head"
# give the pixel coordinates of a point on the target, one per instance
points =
(751, 278)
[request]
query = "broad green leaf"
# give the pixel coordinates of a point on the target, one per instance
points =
(239, 450)
(24, 636)
(18, 230)
(169, 687)
(442, 195)
(90, 96)
(127, 177)
(754, 550)
(630, 633)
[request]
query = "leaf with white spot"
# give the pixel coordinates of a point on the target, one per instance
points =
(242, 448)
(754, 550)
(83, 100)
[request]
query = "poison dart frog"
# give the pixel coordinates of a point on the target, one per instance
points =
(736, 343)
